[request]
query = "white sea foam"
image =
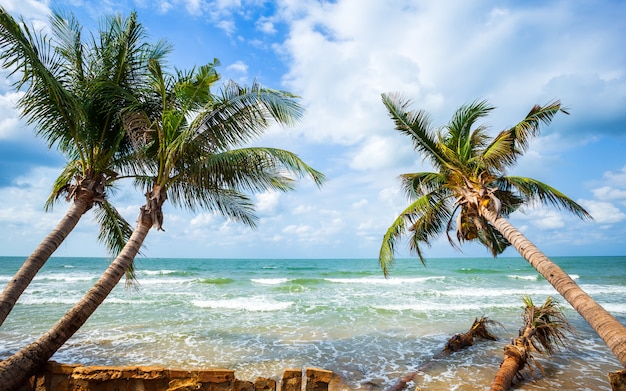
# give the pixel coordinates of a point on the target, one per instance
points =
(269, 281)
(39, 300)
(164, 281)
(519, 277)
(497, 292)
(73, 277)
(156, 272)
(243, 304)
(383, 281)
(614, 307)
(444, 307)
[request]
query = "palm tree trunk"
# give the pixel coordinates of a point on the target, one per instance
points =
(18, 368)
(513, 361)
(38, 258)
(606, 326)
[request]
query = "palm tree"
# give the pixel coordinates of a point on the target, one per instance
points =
(544, 330)
(188, 145)
(471, 194)
(74, 94)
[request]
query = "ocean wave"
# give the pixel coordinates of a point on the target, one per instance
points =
(498, 292)
(614, 307)
(65, 277)
(38, 300)
(215, 280)
(446, 308)
(521, 277)
(243, 304)
(269, 281)
(163, 281)
(384, 281)
(165, 272)
(156, 272)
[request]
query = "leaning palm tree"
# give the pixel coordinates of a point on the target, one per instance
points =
(188, 146)
(471, 194)
(74, 93)
(545, 328)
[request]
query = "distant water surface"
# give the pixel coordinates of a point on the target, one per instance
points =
(260, 316)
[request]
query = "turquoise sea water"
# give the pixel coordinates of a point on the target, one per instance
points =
(260, 316)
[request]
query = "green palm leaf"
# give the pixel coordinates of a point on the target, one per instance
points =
(535, 191)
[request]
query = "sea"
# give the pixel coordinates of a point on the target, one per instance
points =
(262, 316)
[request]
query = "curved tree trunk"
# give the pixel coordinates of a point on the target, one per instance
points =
(38, 258)
(18, 368)
(514, 360)
(608, 328)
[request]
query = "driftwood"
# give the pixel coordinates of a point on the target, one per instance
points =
(479, 329)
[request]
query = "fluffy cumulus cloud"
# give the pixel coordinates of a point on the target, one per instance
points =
(609, 205)
(10, 125)
(604, 212)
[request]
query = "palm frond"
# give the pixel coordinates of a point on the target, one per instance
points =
(227, 202)
(425, 218)
(529, 127)
(240, 114)
(47, 104)
(61, 184)
(418, 184)
(458, 136)
(548, 324)
(500, 153)
(252, 169)
(416, 125)
(534, 190)
(114, 229)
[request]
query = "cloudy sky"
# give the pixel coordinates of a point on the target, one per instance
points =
(339, 56)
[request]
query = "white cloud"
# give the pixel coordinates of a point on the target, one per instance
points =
(379, 152)
(10, 125)
(266, 203)
(266, 26)
(238, 66)
(603, 212)
(541, 218)
(36, 11)
(616, 178)
(607, 193)
(202, 220)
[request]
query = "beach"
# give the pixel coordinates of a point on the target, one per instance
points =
(261, 316)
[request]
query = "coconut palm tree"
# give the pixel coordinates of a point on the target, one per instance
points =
(74, 93)
(545, 328)
(471, 194)
(188, 146)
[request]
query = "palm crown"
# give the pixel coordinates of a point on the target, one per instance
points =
(471, 173)
(187, 143)
(74, 93)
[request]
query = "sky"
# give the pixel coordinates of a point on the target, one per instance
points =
(339, 56)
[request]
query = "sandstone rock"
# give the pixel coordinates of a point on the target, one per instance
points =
(318, 379)
(264, 384)
(291, 380)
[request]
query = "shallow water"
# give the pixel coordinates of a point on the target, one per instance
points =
(262, 316)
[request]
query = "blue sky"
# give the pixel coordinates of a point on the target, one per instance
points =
(339, 57)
